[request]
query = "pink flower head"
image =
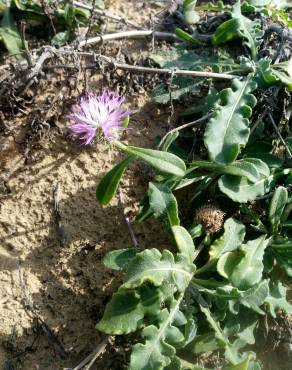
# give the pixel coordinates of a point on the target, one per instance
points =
(102, 112)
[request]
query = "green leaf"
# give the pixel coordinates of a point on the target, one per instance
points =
(262, 150)
(277, 207)
(282, 251)
(120, 259)
(234, 233)
(241, 190)
(254, 297)
(276, 300)
(126, 310)
(108, 185)
(69, 13)
(244, 267)
(228, 129)
(170, 138)
(244, 168)
(219, 334)
(242, 366)
(162, 161)
(283, 72)
(181, 58)
(278, 4)
(204, 343)
(189, 4)
(271, 74)
(218, 6)
(240, 27)
(158, 350)
(227, 31)
(153, 267)
(163, 203)
(184, 242)
(61, 38)
(242, 325)
(10, 35)
(186, 36)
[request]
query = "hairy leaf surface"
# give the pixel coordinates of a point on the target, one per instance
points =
(228, 128)
(158, 350)
(244, 267)
(127, 309)
(154, 267)
(163, 203)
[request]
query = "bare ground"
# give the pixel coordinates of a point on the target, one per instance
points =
(59, 272)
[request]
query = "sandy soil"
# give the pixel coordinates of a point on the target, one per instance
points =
(62, 276)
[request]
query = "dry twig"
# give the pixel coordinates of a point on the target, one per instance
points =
(131, 231)
(90, 359)
(280, 136)
(189, 124)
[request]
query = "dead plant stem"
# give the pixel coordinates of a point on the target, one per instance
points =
(280, 136)
(91, 358)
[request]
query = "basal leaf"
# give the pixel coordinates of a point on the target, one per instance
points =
(127, 309)
(232, 239)
(181, 58)
(277, 206)
(243, 168)
(244, 267)
(228, 129)
(108, 185)
(120, 259)
(240, 27)
(239, 189)
(158, 350)
(153, 267)
(219, 334)
(163, 203)
(271, 74)
(241, 325)
(276, 300)
(282, 251)
(184, 242)
(204, 343)
(241, 366)
(254, 297)
(227, 31)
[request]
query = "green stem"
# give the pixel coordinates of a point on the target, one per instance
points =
(206, 267)
(286, 213)
(206, 283)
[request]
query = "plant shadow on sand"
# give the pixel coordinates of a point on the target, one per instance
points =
(63, 278)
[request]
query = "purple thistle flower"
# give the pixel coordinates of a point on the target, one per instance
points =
(98, 112)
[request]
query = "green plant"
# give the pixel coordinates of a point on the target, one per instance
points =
(209, 290)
